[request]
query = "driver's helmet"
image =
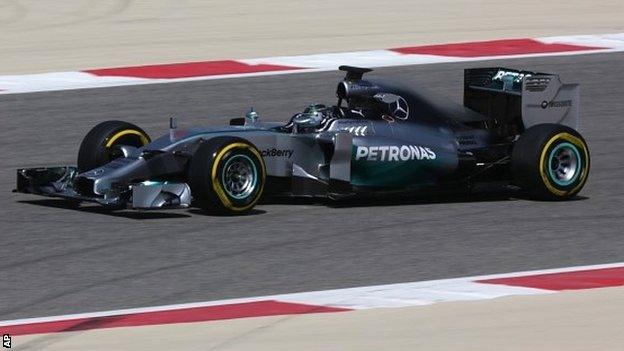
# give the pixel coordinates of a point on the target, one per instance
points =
(312, 116)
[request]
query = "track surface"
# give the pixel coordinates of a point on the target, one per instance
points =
(59, 260)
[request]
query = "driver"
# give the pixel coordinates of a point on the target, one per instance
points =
(313, 117)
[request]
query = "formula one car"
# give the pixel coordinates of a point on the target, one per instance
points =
(516, 127)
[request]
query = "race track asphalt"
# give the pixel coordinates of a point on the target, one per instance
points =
(57, 260)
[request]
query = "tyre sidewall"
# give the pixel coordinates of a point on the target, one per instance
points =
(531, 161)
(206, 173)
(95, 149)
(564, 138)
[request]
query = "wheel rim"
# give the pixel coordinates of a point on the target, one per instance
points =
(564, 165)
(239, 177)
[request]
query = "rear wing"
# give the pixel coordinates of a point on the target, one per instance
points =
(508, 95)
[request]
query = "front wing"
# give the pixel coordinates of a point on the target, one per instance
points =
(59, 182)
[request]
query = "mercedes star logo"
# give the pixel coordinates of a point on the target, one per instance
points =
(400, 109)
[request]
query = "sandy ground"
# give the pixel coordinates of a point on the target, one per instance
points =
(579, 320)
(38, 36)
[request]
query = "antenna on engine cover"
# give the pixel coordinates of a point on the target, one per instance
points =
(354, 73)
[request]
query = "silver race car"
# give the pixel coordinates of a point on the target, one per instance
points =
(515, 127)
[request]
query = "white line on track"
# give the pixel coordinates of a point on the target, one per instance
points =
(28, 83)
(376, 296)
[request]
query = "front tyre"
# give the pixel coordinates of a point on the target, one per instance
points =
(227, 175)
(98, 145)
(550, 162)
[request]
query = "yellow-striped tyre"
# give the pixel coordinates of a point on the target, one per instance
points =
(227, 176)
(550, 162)
(98, 146)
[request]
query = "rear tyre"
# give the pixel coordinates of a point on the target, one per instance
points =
(227, 176)
(97, 146)
(550, 162)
